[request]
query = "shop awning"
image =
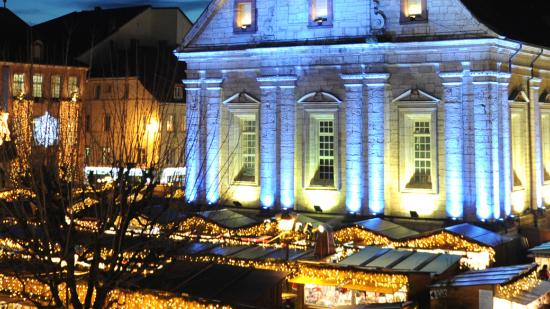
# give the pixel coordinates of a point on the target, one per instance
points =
(228, 218)
(527, 297)
(489, 276)
(478, 234)
(541, 250)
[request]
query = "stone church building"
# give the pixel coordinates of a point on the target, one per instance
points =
(365, 106)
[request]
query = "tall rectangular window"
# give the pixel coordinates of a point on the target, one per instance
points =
(105, 155)
(417, 149)
(320, 13)
(107, 122)
(73, 85)
(37, 85)
(178, 93)
(142, 156)
(245, 16)
(326, 150)
(248, 150)
(18, 83)
(519, 147)
(56, 86)
(545, 136)
(422, 155)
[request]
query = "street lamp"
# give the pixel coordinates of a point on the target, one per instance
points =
(285, 223)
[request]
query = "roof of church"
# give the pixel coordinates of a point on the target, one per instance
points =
(14, 36)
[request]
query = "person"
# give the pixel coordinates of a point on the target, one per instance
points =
(543, 273)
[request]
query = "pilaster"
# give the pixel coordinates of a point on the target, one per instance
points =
(193, 146)
(213, 97)
(287, 107)
(537, 177)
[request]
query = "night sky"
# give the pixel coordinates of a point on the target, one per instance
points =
(37, 11)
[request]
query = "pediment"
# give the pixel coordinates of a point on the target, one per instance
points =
(241, 98)
(319, 97)
(519, 95)
(416, 96)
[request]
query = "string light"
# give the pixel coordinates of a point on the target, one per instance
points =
(69, 112)
(22, 113)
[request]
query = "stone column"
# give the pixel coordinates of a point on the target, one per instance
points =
(354, 141)
(486, 144)
(212, 145)
(193, 147)
(506, 153)
(537, 176)
(377, 88)
(454, 146)
(268, 142)
(287, 107)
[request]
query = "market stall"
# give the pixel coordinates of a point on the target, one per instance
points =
(498, 288)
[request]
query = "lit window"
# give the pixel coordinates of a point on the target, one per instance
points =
(519, 146)
(322, 150)
(545, 136)
(73, 85)
(105, 154)
(245, 16)
(170, 123)
(37, 85)
(414, 11)
(248, 150)
(18, 84)
(417, 150)
(56, 86)
(320, 12)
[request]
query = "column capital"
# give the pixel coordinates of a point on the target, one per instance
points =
(369, 79)
(534, 82)
(192, 84)
(277, 81)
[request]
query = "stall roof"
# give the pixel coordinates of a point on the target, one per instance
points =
(402, 260)
(478, 234)
(228, 218)
(543, 249)
(527, 297)
(489, 276)
(385, 228)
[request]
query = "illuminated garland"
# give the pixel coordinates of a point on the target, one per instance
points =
(22, 125)
(16, 194)
(28, 288)
(527, 283)
(198, 225)
(357, 278)
(357, 234)
(274, 265)
(86, 203)
(67, 155)
(444, 240)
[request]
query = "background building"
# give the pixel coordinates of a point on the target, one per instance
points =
(395, 107)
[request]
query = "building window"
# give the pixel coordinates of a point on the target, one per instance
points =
(178, 93)
(519, 146)
(326, 151)
(107, 122)
(105, 154)
(56, 86)
(414, 11)
(320, 13)
(73, 85)
(142, 156)
(170, 123)
(248, 150)
(322, 150)
(243, 140)
(18, 84)
(97, 92)
(418, 151)
(545, 136)
(37, 50)
(245, 16)
(37, 85)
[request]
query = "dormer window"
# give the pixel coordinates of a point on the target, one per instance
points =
(413, 11)
(320, 13)
(245, 16)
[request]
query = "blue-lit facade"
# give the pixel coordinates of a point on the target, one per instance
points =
(338, 119)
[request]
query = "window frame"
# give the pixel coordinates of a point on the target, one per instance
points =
(242, 106)
(37, 86)
(76, 85)
(20, 83)
(55, 88)
(312, 18)
(407, 18)
(407, 116)
(545, 141)
(237, 29)
(519, 109)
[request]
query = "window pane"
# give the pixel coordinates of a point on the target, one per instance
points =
(244, 14)
(73, 85)
(320, 9)
(56, 86)
(18, 84)
(37, 85)
(422, 154)
(414, 7)
(326, 150)
(248, 148)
